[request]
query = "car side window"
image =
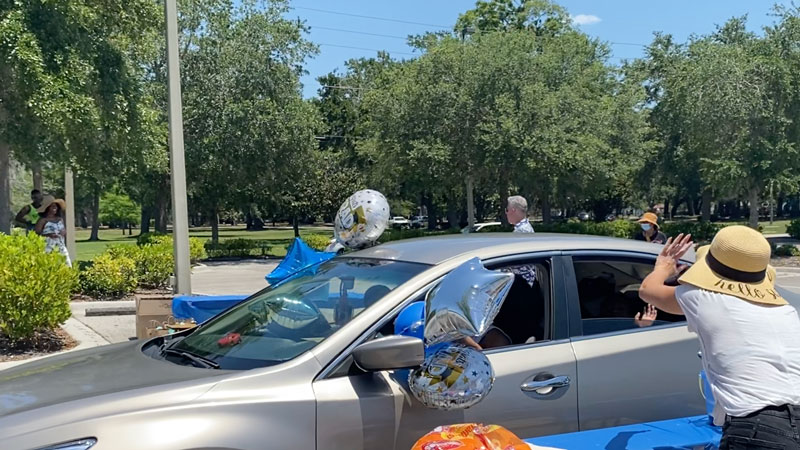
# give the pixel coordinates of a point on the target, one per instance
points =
(523, 318)
(608, 292)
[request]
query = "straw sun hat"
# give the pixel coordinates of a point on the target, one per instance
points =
(736, 263)
(49, 200)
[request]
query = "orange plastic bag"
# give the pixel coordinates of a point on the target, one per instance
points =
(470, 436)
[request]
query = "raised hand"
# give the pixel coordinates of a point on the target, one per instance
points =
(646, 317)
(673, 251)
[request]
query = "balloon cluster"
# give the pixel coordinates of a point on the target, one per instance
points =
(463, 305)
(361, 219)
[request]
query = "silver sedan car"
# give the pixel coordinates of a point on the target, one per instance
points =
(313, 363)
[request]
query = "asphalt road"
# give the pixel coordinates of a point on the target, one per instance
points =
(789, 278)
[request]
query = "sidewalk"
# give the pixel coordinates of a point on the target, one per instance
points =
(231, 277)
(85, 336)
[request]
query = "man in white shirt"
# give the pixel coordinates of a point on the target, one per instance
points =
(517, 214)
(749, 335)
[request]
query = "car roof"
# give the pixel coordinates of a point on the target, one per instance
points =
(437, 249)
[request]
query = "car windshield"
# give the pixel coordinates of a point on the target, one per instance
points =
(283, 321)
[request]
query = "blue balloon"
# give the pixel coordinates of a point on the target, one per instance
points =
(411, 321)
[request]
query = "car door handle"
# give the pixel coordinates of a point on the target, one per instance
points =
(547, 386)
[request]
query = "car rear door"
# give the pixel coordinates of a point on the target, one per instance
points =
(534, 392)
(628, 371)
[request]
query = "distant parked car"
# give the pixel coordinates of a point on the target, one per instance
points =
(481, 227)
(419, 221)
(399, 222)
(584, 216)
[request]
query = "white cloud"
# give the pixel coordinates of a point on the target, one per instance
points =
(585, 19)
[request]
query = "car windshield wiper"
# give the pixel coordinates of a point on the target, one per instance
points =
(204, 362)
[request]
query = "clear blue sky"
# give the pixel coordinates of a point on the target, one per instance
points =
(621, 21)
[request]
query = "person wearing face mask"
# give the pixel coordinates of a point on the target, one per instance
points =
(650, 231)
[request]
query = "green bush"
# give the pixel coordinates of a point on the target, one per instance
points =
(619, 228)
(700, 231)
(794, 228)
(786, 250)
(112, 274)
(399, 234)
(233, 248)
(317, 241)
(154, 264)
(197, 249)
(148, 238)
(35, 286)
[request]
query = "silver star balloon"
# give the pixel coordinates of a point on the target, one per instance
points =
(465, 302)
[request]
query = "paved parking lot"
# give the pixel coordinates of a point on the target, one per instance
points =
(789, 277)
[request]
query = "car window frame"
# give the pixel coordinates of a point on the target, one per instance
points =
(559, 321)
(575, 319)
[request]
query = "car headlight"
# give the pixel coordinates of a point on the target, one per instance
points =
(80, 444)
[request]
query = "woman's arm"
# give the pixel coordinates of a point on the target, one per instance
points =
(653, 290)
(40, 226)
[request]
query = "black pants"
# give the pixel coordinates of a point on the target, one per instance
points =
(774, 427)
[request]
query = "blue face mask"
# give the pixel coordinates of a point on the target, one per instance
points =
(646, 226)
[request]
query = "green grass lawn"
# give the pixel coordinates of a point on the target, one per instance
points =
(87, 250)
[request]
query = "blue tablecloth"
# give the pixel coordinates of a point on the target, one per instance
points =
(203, 307)
(676, 434)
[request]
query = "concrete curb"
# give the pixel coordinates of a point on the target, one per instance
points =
(111, 311)
(86, 337)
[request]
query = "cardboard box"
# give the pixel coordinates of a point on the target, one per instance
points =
(149, 308)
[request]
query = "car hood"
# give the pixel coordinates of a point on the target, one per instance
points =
(88, 373)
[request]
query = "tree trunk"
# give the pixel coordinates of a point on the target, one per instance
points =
(147, 214)
(161, 214)
(667, 212)
(547, 216)
(296, 226)
(95, 214)
(452, 212)
(5, 188)
(38, 182)
(427, 201)
(753, 198)
(690, 204)
(505, 193)
(706, 205)
(674, 211)
(215, 226)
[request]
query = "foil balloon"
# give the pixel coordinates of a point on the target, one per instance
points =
(455, 377)
(411, 321)
(465, 302)
(362, 219)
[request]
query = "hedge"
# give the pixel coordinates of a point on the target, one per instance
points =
(111, 274)
(247, 248)
(794, 229)
(35, 286)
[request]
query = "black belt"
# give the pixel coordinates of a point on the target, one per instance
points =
(784, 411)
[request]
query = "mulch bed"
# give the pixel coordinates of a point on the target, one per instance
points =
(131, 297)
(786, 261)
(40, 344)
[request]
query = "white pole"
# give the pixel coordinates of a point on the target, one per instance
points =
(771, 204)
(180, 219)
(69, 194)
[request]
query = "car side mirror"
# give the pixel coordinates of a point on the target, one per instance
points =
(390, 352)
